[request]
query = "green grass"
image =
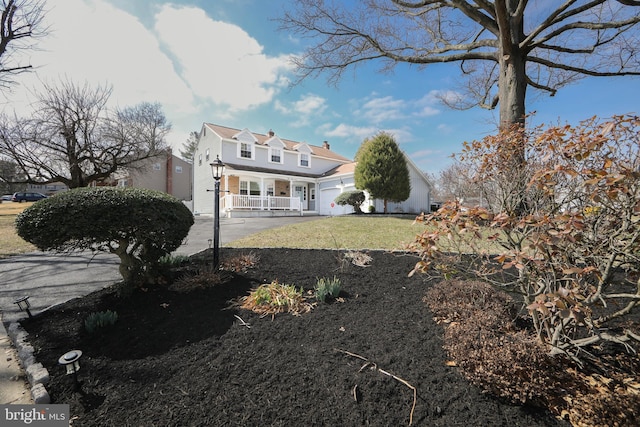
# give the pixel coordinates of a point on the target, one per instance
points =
(10, 242)
(340, 232)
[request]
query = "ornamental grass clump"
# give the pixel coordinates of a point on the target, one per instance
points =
(327, 288)
(273, 298)
(100, 320)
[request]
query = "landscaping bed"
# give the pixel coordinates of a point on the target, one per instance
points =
(193, 358)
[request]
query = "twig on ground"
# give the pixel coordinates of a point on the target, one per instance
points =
(242, 322)
(374, 366)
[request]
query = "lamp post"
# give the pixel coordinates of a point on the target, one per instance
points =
(23, 305)
(217, 168)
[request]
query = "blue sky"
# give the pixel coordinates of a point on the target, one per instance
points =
(225, 62)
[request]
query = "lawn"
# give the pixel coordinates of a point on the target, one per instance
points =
(340, 232)
(10, 242)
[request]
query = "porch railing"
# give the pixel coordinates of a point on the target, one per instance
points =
(264, 203)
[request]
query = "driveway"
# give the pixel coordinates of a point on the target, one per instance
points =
(50, 279)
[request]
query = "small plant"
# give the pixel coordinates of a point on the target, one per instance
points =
(358, 258)
(172, 261)
(275, 298)
(326, 288)
(205, 278)
(240, 263)
(100, 320)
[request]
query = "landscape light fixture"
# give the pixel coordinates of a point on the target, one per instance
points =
(71, 361)
(23, 304)
(217, 169)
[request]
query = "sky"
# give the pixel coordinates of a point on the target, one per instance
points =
(225, 62)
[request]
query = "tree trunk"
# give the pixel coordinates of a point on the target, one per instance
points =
(512, 88)
(512, 82)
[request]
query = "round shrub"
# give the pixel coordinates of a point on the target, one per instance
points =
(138, 225)
(351, 198)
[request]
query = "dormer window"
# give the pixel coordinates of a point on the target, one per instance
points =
(275, 155)
(304, 160)
(245, 150)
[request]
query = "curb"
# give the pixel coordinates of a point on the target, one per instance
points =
(37, 374)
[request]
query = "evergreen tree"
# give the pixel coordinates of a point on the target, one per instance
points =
(189, 147)
(382, 169)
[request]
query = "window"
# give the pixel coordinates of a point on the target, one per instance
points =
(178, 169)
(245, 150)
(157, 167)
(270, 190)
(304, 160)
(251, 188)
(207, 156)
(276, 155)
(312, 193)
(200, 160)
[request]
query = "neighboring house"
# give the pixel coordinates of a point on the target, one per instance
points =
(47, 189)
(266, 175)
(167, 173)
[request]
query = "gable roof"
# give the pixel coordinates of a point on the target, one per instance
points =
(261, 139)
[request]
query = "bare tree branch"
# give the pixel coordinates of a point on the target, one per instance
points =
(572, 38)
(20, 24)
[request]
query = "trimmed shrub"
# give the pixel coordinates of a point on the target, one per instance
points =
(140, 226)
(351, 198)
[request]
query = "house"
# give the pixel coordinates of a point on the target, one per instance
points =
(48, 189)
(266, 175)
(167, 173)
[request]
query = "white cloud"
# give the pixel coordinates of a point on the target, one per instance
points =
(307, 108)
(349, 132)
(95, 42)
(194, 66)
(386, 108)
(220, 61)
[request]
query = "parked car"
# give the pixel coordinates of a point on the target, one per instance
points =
(27, 197)
(7, 197)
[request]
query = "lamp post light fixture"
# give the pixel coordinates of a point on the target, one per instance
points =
(217, 169)
(71, 361)
(23, 305)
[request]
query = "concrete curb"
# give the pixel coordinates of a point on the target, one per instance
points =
(37, 374)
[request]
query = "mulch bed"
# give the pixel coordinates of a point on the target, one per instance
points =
(185, 359)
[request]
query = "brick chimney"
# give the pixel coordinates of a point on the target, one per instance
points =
(326, 145)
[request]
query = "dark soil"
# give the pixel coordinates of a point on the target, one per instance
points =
(185, 359)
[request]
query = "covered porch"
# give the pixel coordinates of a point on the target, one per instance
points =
(248, 194)
(244, 206)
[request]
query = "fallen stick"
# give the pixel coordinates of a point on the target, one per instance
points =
(242, 322)
(374, 366)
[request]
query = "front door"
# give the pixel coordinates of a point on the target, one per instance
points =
(300, 191)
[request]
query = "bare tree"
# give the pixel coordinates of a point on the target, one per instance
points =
(20, 24)
(73, 138)
(455, 183)
(503, 47)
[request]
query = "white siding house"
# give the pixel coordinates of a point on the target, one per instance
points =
(266, 175)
